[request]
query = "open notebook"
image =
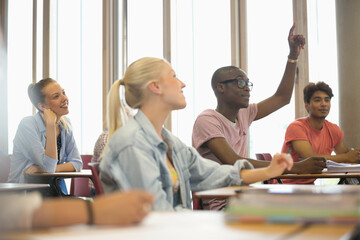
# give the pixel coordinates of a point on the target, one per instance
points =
(341, 167)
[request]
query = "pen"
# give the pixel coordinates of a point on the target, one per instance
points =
(288, 154)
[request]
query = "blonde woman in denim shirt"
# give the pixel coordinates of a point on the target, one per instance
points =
(142, 154)
(45, 142)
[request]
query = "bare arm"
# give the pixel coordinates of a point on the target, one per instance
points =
(304, 150)
(51, 133)
(224, 152)
(65, 167)
(283, 93)
(113, 209)
(278, 164)
(308, 165)
(341, 148)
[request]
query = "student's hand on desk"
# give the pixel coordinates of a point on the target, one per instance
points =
(309, 165)
(33, 169)
(353, 156)
(279, 163)
(122, 208)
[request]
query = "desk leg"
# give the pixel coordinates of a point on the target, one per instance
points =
(342, 181)
(350, 181)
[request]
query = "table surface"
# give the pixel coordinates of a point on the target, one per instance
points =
(8, 187)
(320, 175)
(226, 192)
(189, 225)
(86, 173)
(52, 178)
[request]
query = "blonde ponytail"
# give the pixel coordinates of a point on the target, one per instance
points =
(135, 80)
(116, 113)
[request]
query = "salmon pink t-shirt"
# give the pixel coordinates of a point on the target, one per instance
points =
(211, 124)
(322, 141)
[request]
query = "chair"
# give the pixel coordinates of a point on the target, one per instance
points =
(4, 168)
(94, 166)
(267, 157)
(80, 186)
(263, 156)
(196, 202)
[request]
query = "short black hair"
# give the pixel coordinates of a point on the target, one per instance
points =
(218, 75)
(311, 88)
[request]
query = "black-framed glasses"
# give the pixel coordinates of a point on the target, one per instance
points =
(241, 83)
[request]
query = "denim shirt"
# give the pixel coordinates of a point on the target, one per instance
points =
(29, 149)
(136, 159)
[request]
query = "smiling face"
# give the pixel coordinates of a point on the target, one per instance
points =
(319, 105)
(171, 86)
(231, 94)
(55, 99)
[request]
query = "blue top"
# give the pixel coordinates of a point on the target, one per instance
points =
(29, 149)
(135, 158)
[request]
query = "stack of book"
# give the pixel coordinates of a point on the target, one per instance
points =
(307, 204)
(341, 167)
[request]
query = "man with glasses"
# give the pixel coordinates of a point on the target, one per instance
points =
(222, 134)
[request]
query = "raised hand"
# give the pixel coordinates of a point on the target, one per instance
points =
(296, 43)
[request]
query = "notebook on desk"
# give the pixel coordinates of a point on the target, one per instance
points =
(341, 167)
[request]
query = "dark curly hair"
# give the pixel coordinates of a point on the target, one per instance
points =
(312, 87)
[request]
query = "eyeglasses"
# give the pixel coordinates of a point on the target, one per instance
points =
(241, 83)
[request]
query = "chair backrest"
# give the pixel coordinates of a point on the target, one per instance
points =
(4, 168)
(196, 202)
(94, 166)
(80, 186)
(263, 156)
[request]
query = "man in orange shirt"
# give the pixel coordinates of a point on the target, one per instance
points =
(315, 136)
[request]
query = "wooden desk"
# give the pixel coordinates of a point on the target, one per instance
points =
(325, 174)
(298, 231)
(320, 175)
(221, 193)
(51, 178)
(85, 173)
(188, 225)
(324, 232)
(16, 187)
(225, 193)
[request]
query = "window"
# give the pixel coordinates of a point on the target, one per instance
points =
(19, 64)
(268, 49)
(200, 45)
(145, 29)
(323, 45)
(76, 62)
